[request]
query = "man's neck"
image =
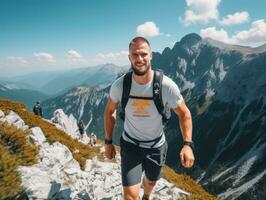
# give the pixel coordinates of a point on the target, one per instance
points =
(142, 80)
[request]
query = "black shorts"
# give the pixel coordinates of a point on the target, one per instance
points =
(135, 160)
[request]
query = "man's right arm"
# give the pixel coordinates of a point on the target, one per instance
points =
(109, 118)
(109, 123)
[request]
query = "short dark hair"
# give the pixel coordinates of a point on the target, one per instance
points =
(138, 39)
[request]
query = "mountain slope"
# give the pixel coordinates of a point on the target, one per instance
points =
(225, 88)
(56, 161)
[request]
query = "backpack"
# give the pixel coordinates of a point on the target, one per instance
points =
(157, 98)
(37, 109)
(157, 95)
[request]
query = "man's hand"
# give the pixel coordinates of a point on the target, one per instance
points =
(187, 156)
(109, 151)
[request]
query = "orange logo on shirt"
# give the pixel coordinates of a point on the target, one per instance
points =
(140, 106)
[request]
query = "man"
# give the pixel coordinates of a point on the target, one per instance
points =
(37, 109)
(81, 128)
(143, 123)
(93, 139)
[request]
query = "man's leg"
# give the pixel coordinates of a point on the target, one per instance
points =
(153, 166)
(131, 168)
(131, 192)
(148, 186)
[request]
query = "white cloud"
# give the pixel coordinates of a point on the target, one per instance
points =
(256, 35)
(117, 58)
(212, 32)
(236, 18)
(113, 55)
(73, 54)
(200, 11)
(148, 29)
(42, 56)
(19, 60)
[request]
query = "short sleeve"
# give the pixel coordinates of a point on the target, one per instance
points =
(174, 97)
(116, 90)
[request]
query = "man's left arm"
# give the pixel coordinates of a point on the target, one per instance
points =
(185, 124)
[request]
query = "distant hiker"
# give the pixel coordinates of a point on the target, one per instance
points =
(81, 128)
(37, 109)
(145, 95)
(93, 139)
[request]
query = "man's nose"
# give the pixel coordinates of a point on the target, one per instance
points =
(139, 57)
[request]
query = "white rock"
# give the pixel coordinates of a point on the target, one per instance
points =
(13, 118)
(58, 153)
(88, 165)
(84, 139)
(36, 182)
(102, 149)
(67, 123)
(37, 137)
(2, 114)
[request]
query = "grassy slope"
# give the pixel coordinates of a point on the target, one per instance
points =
(18, 151)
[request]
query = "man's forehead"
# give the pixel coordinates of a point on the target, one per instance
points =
(140, 45)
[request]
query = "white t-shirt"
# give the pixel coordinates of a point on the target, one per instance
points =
(142, 119)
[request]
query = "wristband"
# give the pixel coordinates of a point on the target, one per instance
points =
(106, 141)
(189, 143)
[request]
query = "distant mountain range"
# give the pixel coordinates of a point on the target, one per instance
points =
(100, 75)
(58, 82)
(29, 97)
(224, 87)
(44, 85)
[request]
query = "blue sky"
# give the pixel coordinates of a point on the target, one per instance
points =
(37, 35)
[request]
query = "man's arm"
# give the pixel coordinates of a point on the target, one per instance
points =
(109, 123)
(185, 121)
(185, 124)
(109, 118)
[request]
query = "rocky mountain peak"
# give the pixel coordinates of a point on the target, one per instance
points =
(190, 39)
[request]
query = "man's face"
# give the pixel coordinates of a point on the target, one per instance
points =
(140, 57)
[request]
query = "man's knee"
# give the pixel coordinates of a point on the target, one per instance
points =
(149, 182)
(132, 192)
(131, 196)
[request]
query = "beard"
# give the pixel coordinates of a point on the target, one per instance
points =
(138, 72)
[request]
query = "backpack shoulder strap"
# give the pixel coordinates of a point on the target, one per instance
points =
(157, 93)
(126, 92)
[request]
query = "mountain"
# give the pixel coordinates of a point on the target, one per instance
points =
(224, 87)
(57, 82)
(84, 103)
(34, 80)
(29, 97)
(92, 76)
(14, 85)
